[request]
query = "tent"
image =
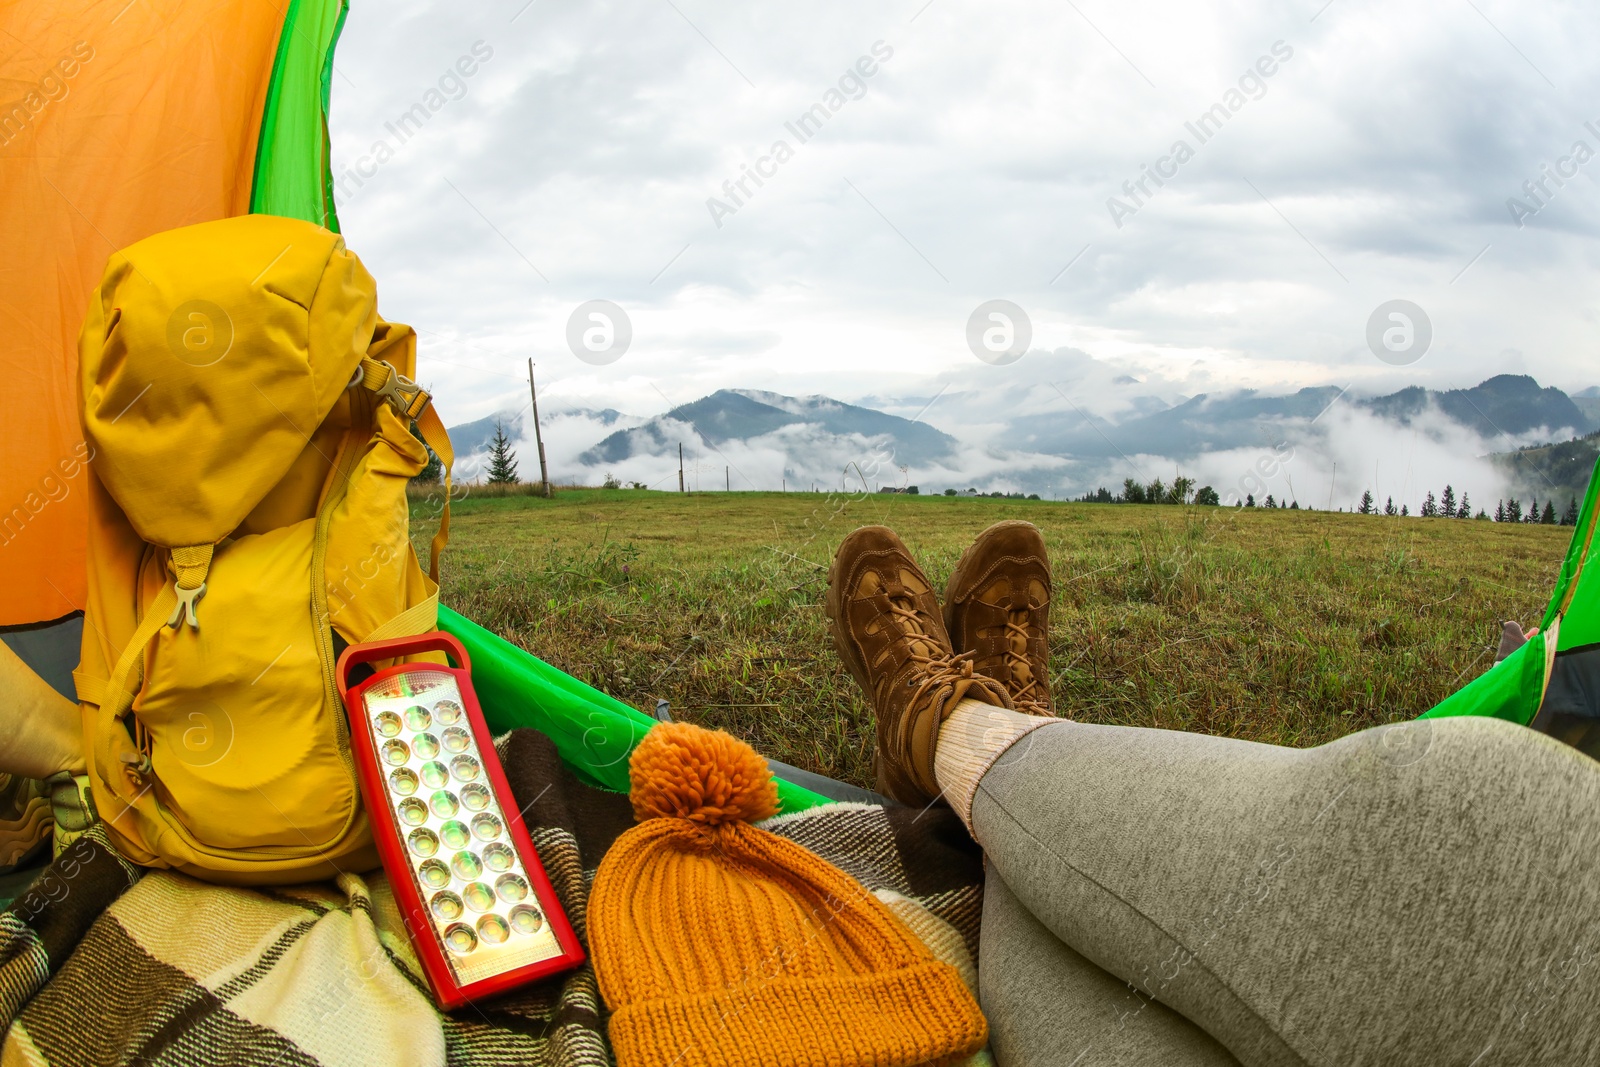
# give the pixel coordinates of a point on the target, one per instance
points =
(1552, 683)
(117, 122)
(196, 112)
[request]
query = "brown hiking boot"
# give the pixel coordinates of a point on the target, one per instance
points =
(886, 627)
(997, 608)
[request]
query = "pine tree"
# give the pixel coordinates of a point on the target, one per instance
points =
(1466, 509)
(1366, 507)
(1500, 512)
(1447, 502)
(1430, 507)
(1513, 510)
(1533, 511)
(1570, 518)
(1388, 507)
(1404, 511)
(502, 460)
(1548, 516)
(1249, 500)
(1271, 503)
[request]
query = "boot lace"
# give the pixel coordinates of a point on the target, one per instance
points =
(938, 667)
(1017, 637)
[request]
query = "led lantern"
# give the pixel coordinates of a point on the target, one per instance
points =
(480, 911)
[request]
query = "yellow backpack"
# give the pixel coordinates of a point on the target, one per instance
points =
(248, 418)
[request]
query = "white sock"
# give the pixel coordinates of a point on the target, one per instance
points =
(970, 740)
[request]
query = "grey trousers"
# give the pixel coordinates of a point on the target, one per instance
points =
(1424, 893)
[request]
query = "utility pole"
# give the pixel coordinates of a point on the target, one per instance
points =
(680, 467)
(533, 394)
(727, 480)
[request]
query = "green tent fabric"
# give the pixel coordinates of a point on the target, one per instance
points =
(1552, 683)
(594, 733)
(293, 174)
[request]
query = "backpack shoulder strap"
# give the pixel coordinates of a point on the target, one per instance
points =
(416, 403)
(112, 753)
(417, 619)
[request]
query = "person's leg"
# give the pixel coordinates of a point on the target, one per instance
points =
(1047, 1005)
(888, 629)
(1422, 893)
(42, 733)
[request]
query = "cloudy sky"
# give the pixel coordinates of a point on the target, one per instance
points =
(975, 162)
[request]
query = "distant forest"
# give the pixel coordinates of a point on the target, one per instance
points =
(1444, 506)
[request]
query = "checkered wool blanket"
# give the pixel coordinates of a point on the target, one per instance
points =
(101, 963)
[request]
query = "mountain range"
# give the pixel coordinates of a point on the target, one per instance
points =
(1505, 405)
(768, 438)
(1557, 472)
(1588, 402)
(473, 437)
(746, 414)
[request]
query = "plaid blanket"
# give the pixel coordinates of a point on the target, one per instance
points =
(101, 963)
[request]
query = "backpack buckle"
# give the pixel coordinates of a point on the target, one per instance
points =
(137, 765)
(403, 394)
(187, 599)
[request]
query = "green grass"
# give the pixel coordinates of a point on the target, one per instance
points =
(1288, 627)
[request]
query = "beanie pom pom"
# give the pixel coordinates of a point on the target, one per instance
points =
(682, 771)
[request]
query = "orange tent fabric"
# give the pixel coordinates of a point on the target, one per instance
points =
(118, 120)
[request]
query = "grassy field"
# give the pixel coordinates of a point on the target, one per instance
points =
(1289, 627)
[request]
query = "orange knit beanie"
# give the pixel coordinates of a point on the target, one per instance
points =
(715, 942)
